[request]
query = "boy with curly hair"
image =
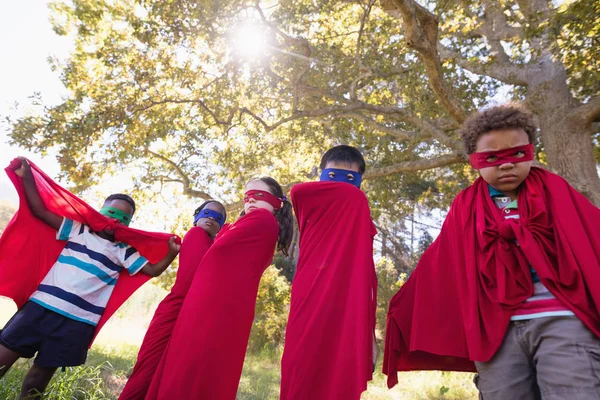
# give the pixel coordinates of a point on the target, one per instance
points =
(510, 287)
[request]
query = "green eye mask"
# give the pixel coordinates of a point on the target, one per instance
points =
(115, 213)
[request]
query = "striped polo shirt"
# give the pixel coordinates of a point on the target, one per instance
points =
(81, 281)
(542, 303)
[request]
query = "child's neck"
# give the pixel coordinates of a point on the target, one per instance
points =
(106, 236)
(513, 194)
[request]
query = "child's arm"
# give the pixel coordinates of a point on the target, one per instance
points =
(159, 267)
(36, 204)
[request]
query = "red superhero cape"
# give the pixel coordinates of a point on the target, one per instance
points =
(456, 306)
(205, 355)
(28, 247)
(196, 243)
(329, 335)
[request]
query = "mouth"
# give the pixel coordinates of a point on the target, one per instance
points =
(251, 208)
(508, 178)
(208, 223)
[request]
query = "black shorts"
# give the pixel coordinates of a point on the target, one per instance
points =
(58, 341)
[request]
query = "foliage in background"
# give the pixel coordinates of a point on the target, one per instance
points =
(161, 88)
(271, 313)
(389, 282)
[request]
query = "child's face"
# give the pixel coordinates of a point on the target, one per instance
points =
(340, 165)
(253, 204)
(119, 205)
(211, 226)
(506, 177)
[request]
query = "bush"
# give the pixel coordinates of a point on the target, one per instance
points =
(272, 309)
(389, 282)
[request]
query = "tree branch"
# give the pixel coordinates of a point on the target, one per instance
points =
(417, 165)
(532, 9)
(152, 103)
(185, 180)
(495, 28)
(537, 12)
(421, 32)
(363, 71)
(427, 129)
(511, 74)
(496, 24)
(399, 134)
(589, 112)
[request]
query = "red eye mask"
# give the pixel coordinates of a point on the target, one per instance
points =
(492, 158)
(264, 196)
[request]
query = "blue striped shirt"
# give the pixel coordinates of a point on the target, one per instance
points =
(81, 281)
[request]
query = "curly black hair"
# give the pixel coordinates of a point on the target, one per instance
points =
(508, 116)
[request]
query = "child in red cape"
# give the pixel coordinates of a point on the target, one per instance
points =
(68, 268)
(330, 349)
(205, 355)
(511, 286)
(209, 218)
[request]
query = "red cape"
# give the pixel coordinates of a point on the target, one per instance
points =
(28, 247)
(456, 306)
(195, 244)
(329, 336)
(205, 355)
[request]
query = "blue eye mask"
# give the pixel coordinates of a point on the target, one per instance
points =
(341, 175)
(206, 213)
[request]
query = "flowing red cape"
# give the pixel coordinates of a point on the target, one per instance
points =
(456, 306)
(196, 243)
(205, 355)
(329, 335)
(28, 247)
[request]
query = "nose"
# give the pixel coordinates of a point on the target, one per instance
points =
(506, 166)
(251, 200)
(212, 218)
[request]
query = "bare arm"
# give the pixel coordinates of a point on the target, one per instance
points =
(36, 204)
(158, 268)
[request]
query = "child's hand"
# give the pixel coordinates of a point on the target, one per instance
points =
(24, 171)
(174, 247)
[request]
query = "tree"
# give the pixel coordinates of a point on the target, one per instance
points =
(272, 309)
(157, 83)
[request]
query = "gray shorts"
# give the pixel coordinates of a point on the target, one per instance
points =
(552, 358)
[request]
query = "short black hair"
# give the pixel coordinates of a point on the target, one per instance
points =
(197, 210)
(508, 116)
(346, 155)
(124, 197)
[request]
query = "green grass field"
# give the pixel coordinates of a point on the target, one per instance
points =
(114, 352)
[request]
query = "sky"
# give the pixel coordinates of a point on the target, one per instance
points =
(26, 41)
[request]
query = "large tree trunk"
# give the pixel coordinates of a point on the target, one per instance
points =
(569, 149)
(567, 138)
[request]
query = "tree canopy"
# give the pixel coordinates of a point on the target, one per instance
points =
(206, 94)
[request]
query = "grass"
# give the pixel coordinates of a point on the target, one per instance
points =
(260, 381)
(112, 357)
